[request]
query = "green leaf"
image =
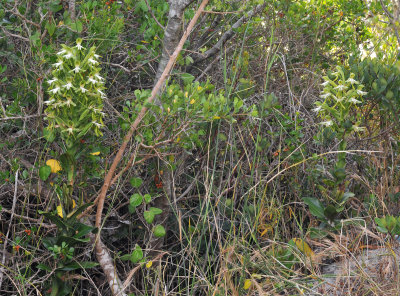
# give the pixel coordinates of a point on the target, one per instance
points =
(51, 27)
(55, 219)
(149, 216)
(79, 210)
(143, 6)
(125, 257)
(316, 207)
(187, 78)
(159, 231)
(77, 26)
(136, 200)
(55, 7)
(155, 211)
(131, 209)
(43, 267)
(147, 198)
(189, 60)
(137, 254)
(136, 182)
(44, 172)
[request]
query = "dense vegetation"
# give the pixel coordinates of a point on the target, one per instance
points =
(155, 147)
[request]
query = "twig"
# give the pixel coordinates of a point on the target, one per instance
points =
(20, 117)
(227, 35)
(152, 14)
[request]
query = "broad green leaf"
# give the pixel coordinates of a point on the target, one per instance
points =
(77, 26)
(147, 198)
(159, 231)
(137, 254)
(44, 172)
(316, 207)
(149, 216)
(51, 27)
(49, 135)
(187, 78)
(155, 211)
(136, 182)
(136, 200)
(43, 267)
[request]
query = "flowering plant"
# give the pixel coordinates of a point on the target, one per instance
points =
(76, 90)
(340, 96)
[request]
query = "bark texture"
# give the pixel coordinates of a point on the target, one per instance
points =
(171, 39)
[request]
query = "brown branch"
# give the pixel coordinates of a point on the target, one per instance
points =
(227, 35)
(112, 277)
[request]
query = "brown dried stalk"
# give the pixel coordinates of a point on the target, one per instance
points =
(104, 260)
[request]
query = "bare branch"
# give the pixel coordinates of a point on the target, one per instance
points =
(228, 35)
(109, 269)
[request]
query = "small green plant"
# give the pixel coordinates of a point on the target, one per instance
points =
(71, 234)
(388, 224)
(340, 96)
(74, 107)
(74, 111)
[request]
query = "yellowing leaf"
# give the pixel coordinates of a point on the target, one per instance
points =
(304, 247)
(60, 211)
(216, 117)
(95, 153)
(247, 284)
(54, 165)
(73, 204)
(149, 264)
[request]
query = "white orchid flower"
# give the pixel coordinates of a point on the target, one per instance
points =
(340, 87)
(55, 90)
(58, 64)
(92, 80)
(325, 95)
(317, 109)
(69, 102)
(70, 130)
(79, 44)
(325, 83)
(51, 81)
(327, 123)
(68, 55)
(83, 89)
(97, 124)
(361, 93)
(101, 93)
(62, 51)
(49, 102)
(98, 77)
(76, 69)
(68, 85)
(92, 61)
(354, 101)
(352, 81)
